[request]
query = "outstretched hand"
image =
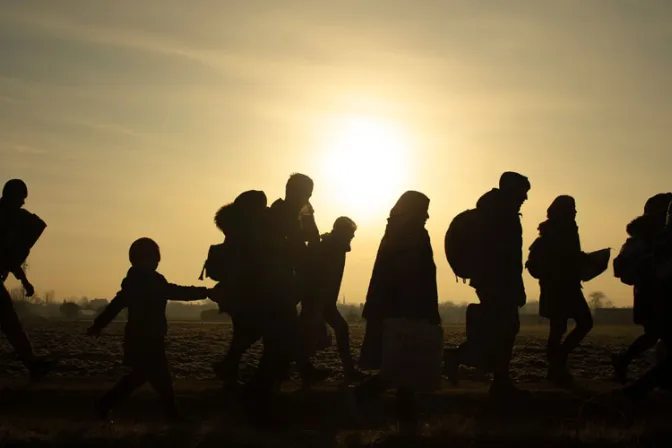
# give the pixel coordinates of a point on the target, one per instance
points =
(93, 331)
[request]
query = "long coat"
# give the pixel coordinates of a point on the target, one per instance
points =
(403, 284)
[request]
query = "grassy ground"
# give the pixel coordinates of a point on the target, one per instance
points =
(192, 347)
(57, 411)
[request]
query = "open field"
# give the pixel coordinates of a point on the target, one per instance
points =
(193, 346)
(58, 410)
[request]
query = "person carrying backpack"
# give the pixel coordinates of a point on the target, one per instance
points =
(660, 375)
(238, 267)
(491, 251)
(634, 267)
(556, 261)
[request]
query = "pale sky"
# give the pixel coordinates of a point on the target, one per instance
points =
(141, 118)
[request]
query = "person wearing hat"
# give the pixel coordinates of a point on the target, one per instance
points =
(403, 285)
(14, 195)
(559, 255)
(498, 282)
(634, 266)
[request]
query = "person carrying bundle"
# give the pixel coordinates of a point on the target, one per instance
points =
(19, 231)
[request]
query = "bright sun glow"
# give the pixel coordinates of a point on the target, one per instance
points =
(365, 165)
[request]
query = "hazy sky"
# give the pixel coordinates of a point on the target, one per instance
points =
(141, 118)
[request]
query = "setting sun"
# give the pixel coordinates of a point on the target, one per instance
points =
(365, 165)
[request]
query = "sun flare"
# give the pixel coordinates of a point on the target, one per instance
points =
(365, 165)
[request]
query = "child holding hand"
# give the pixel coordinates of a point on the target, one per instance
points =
(145, 293)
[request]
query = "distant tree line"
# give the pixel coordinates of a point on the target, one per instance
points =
(48, 307)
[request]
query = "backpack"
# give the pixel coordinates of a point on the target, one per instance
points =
(461, 244)
(628, 262)
(535, 260)
(218, 263)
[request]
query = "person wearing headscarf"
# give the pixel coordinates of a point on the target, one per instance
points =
(634, 266)
(403, 285)
(560, 282)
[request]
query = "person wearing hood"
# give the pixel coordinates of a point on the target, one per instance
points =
(660, 375)
(326, 278)
(498, 282)
(12, 256)
(243, 223)
(558, 249)
(403, 285)
(634, 266)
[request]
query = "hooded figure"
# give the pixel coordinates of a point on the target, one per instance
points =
(403, 284)
(634, 266)
(560, 282)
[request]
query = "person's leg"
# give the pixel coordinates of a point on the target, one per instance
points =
(245, 334)
(584, 324)
(556, 362)
(505, 325)
(11, 326)
(124, 387)
(342, 331)
(558, 328)
(159, 377)
(643, 343)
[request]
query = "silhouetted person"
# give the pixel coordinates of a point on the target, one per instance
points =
(661, 374)
(325, 283)
(145, 293)
(244, 224)
(634, 266)
(291, 225)
(19, 230)
(403, 285)
(558, 254)
(498, 282)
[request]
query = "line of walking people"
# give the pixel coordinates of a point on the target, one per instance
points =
(274, 258)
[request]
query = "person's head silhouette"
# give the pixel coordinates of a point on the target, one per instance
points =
(144, 254)
(299, 190)
(15, 193)
(515, 187)
(344, 229)
(562, 208)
